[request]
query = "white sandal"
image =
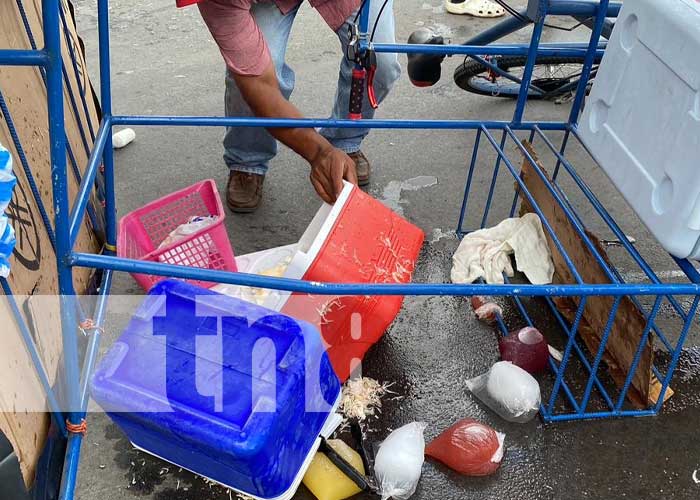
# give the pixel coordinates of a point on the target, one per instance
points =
(476, 8)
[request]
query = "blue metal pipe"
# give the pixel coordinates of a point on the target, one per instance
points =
(601, 14)
(579, 352)
(504, 28)
(516, 194)
(88, 181)
(599, 355)
(677, 352)
(103, 297)
(567, 208)
(567, 353)
(59, 178)
(354, 289)
(532, 54)
(492, 187)
(638, 354)
(106, 99)
(546, 50)
(555, 7)
(552, 365)
(535, 206)
(69, 149)
(467, 188)
(600, 209)
(94, 343)
(88, 367)
(16, 57)
(36, 359)
(603, 414)
(70, 467)
(232, 121)
(690, 271)
(364, 19)
(559, 154)
(587, 8)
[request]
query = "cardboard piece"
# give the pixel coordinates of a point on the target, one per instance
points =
(33, 263)
(629, 323)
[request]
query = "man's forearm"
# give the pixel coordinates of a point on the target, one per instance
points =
(263, 95)
(329, 166)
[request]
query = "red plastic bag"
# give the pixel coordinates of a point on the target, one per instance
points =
(468, 447)
(526, 348)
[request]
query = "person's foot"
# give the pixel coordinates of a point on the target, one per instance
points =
(362, 167)
(476, 8)
(244, 191)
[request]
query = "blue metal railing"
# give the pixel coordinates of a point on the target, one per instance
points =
(68, 219)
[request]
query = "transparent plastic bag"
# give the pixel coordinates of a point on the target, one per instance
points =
(193, 224)
(399, 461)
(508, 390)
(469, 447)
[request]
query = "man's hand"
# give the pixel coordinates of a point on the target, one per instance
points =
(328, 169)
(329, 166)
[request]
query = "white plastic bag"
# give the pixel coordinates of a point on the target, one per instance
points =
(194, 224)
(399, 461)
(508, 390)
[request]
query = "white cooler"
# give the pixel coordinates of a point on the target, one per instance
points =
(642, 118)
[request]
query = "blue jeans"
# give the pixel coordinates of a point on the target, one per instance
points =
(250, 149)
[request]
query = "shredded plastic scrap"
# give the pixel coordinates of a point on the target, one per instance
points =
(362, 398)
(469, 447)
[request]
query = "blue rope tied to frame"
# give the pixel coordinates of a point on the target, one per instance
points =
(27, 171)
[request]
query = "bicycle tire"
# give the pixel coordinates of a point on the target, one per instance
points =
(466, 72)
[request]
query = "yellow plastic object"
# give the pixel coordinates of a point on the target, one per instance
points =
(326, 481)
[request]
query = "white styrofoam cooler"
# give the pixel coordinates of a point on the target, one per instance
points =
(299, 255)
(642, 118)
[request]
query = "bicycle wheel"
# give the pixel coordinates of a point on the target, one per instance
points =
(554, 76)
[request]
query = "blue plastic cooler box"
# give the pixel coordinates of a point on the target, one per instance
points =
(243, 407)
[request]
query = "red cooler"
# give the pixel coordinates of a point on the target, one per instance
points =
(357, 240)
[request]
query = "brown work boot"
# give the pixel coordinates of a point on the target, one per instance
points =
(362, 167)
(244, 191)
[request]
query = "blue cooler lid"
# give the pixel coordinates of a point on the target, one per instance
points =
(226, 378)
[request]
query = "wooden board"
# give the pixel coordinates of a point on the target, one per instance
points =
(33, 263)
(629, 323)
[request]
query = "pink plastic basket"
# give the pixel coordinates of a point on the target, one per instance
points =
(142, 231)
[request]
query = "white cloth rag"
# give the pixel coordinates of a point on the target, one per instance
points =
(486, 253)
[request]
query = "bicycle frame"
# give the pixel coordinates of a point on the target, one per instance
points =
(575, 9)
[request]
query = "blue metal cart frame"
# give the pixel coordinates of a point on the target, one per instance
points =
(68, 219)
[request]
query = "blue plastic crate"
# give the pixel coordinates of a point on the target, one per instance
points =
(224, 388)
